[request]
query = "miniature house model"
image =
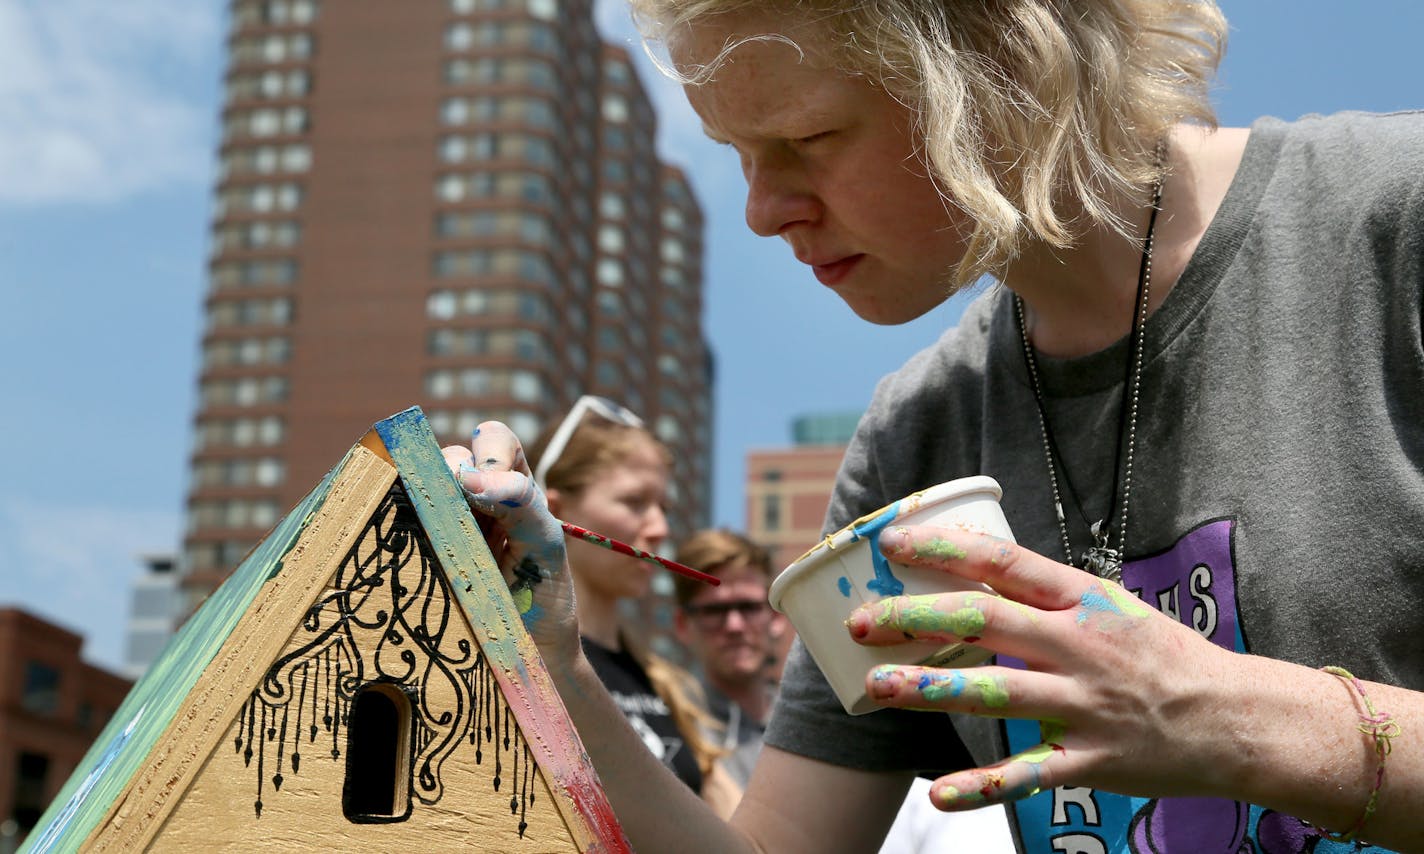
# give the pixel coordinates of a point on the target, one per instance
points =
(361, 682)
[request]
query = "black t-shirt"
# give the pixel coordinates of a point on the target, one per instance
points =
(644, 709)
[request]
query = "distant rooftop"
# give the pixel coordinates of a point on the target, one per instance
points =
(826, 428)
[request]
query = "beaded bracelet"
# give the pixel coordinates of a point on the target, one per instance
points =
(1382, 729)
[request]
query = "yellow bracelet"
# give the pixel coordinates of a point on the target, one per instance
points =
(1381, 728)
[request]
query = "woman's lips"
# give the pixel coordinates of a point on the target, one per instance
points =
(834, 272)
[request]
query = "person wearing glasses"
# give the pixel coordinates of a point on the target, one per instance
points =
(1199, 379)
(730, 630)
(602, 469)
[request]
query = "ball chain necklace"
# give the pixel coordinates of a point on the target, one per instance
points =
(1101, 559)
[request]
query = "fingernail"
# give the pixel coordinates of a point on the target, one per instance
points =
(895, 541)
(885, 681)
(858, 623)
(946, 796)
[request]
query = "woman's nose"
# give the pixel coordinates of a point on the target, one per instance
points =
(777, 199)
(655, 526)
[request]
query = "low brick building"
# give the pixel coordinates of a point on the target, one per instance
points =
(52, 706)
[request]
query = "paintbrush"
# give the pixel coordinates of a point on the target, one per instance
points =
(623, 548)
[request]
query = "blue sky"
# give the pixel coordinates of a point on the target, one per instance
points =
(108, 113)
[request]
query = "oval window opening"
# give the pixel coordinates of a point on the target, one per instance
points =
(377, 757)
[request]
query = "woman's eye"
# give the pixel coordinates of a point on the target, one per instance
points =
(815, 137)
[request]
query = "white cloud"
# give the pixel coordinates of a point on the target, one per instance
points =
(73, 564)
(99, 99)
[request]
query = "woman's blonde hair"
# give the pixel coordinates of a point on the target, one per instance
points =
(1036, 116)
(595, 445)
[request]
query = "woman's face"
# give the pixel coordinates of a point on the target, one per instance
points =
(832, 167)
(624, 501)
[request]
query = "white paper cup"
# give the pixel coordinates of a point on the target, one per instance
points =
(818, 591)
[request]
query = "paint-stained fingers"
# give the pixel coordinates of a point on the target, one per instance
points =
(973, 617)
(1009, 568)
(457, 457)
(461, 461)
(509, 508)
(512, 499)
(990, 690)
(1022, 775)
(494, 447)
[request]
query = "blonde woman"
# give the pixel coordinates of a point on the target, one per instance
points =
(1199, 380)
(601, 469)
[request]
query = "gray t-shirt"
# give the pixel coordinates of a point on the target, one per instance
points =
(1278, 480)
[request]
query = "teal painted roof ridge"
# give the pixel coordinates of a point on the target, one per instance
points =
(129, 737)
(443, 511)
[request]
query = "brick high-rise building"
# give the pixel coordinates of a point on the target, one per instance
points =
(450, 203)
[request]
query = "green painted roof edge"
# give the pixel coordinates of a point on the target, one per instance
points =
(124, 745)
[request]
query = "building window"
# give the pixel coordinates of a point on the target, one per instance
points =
(377, 757)
(256, 273)
(240, 432)
(610, 272)
(672, 251)
(247, 391)
(31, 769)
(668, 429)
(615, 108)
(274, 48)
(237, 513)
(771, 513)
(41, 694)
(610, 239)
(265, 472)
(251, 352)
(260, 198)
(261, 234)
(250, 312)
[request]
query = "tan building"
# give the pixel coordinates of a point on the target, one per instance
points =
(789, 488)
(52, 706)
(449, 203)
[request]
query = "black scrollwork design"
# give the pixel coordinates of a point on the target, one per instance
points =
(386, 618)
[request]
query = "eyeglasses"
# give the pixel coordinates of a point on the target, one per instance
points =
(713, 615)
(601, 406)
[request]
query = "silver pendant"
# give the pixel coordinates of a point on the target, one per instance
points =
(1101, 559)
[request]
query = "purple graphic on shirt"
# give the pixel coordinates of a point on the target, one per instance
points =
(1208, 825)
(1195, 583)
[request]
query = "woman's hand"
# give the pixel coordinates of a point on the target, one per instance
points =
(526, 539)
(1132, 701)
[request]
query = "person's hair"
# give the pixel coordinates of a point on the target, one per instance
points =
(595, 445)
(713, 550)
(1034, 115)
